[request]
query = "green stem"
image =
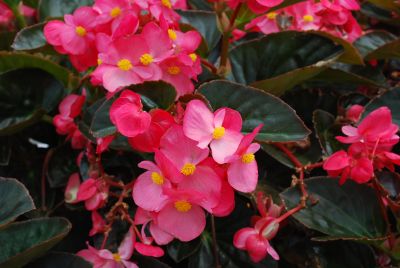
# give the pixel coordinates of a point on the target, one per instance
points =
(214, 242)
(19, 17)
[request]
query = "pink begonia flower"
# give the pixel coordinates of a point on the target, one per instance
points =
(27, 11)
(354, 164)
(149, 140)
(78, 141)
(98, 223)
(105, 259)
(375, 130)
(183, 216)
(387, 160)
(148, 189)
(127, 115)
(243, 170)
(71, 105)
(187, 158)
(266, 24)
(94, 192)
(220, 129)
(165, 9)
(352, 29)
(145, 218)
(103, 143)
(354, 113)
(124, 61)
(149, 250)
(186, 42)
(178, 74)
(262, 6)
(236, 35)
(6, 15)
(304, 16)
(74, 36)
(71, 191)
(338, 5)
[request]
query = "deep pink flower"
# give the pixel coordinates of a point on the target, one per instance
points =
(375, 130)
(266, 24)
(183, 216)
(304, 16)
(261, 6)
(105, 259)
(127, 115)
(165, 9)
(98, 223)
(220, 129)
(94, 192)
(103, 143)
(6, 15)
(149, 140)
(145, 218)
(354, 113)
(243, 170)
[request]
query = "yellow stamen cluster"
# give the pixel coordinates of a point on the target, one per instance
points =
(80, 31)
(193, 56)
(117, 257)
(146, 59)
(125, 65)
(182, 206)
(188, 169)
(248, 158)
(308, 18)
(166, 3)
(174, 70)
(157, 178)
(115, 12)
(99, 61)
(271, 15)
(172, 34)
(218, 133)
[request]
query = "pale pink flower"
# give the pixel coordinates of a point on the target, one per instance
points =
(266, 23)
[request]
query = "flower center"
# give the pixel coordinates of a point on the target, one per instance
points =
(146, 59)
(172, 34)
(174, 70)
(80, 31)
(125, 65)
(183, 206)
(99, 61)
(271, 15)
(248, 158)
(117, 257)
(157, 178)
(115, 12)
(188, 169)
(308, 18)
(166, 3)
(193, 56)
(218, 133)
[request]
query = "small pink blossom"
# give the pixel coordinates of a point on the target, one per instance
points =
(354, 113)
(71, 191)
(98, 223)
(94, 192)
(266, 23)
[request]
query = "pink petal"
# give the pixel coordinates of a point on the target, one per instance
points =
(226, 202)
(241, 236)
(226, 146)
(257, 247)
(337, 161)
(52, 31)
(243, 177)
(125, 249)
(71, 191)
(185, 226)
(160, 236)
(87, 189)
(149, 250)
(363, 171)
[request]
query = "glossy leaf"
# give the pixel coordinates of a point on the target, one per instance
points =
(179, 251)
(61, 165)
(323, 121)
(25, 95)
(378, 45)
(30, 239)
(101, 125)
(160, 93)
(280, 53)
(13, 61)
(30, 38)
(387, 4)
(350, 211)
(257, 107)
(60, 260)
(58, 8)
(14, 200)
(389, 99)
(205, 22)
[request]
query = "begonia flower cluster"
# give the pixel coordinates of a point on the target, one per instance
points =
(334, 17)
(371, 143)
(129, 43)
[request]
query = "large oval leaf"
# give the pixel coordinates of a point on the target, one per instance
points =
(14, 200)
(350, 211)
(57, 8)
(281, 122)
(13, 61)
(30, 38)
(280, 53)
(390, 99)
(378, 45)
(25, 241)
(25, 95)
(60, 260)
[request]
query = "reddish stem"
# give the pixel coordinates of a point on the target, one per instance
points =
(289, 154)
(312, 166)
(290, 212)
(209, 65)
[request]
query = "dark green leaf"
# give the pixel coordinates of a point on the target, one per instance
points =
(257, 107)
(205, 22)
(381, 14)
(30, 38)
(161, 93)
(30, 239)
(350, 211)
(25, 95)
(58, 8)
(12, 3)
(322, 123)
(5, 151)
(6, 39)
(61, 165)
(149, 262)
(60, 260)
(13, 61)
(389, 99)
(179, 251)
(378, 45)
(14, 200)
(277, 54)
(387, 4)
(101, 125)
